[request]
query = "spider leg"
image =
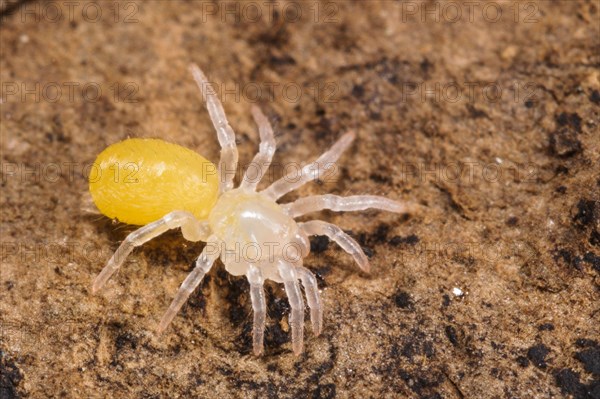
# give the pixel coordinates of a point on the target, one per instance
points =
(225, 134)
(348, 244)
(315, 203)
(257, 294)
(203, 265)
(262, 160)
(191, 228)
(312, 297)
(311, 171)
(292, 289)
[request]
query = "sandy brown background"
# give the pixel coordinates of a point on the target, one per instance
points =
(488, 119)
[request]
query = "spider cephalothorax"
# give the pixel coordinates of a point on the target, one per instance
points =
(251, 233)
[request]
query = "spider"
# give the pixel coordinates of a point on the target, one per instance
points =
(251, 233)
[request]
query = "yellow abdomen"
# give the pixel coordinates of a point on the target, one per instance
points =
(141, 180)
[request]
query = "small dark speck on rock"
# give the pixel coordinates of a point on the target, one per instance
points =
(402, 299)
(569, 119)
(410, 240)
(451, 334)
(476, 113)
(378, 178)
(126, 339)
(537, 354)
(368, 251)
(512, 221)
(358, 91)
(10, 377)
(584, 343)
(546, 327)
(286, 60)
(319, 244)
(595, 240)
(325, 391)
(585, 212)
(446, 300)
(522, 361)
(590, 359)
(568, 382)
(568, 258)
(381, 233)
(321, 272)
(595, 97)
(593, 260)
(426, 66)
(225, 371)
(561, 189)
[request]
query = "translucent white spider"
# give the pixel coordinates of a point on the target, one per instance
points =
(253, 235)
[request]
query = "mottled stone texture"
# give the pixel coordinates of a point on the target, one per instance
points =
(486, 114)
